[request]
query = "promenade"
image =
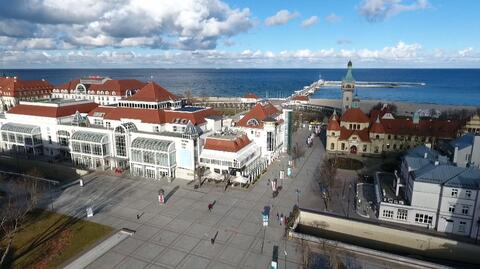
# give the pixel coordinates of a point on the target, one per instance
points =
(179, 234)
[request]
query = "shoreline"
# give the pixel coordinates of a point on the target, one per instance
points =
(403, 108)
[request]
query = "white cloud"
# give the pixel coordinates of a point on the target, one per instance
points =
(185, 24)
(466, 52)
(378, 10)
(281, 17)
(310, 21)
(399, 55)
(333, 18)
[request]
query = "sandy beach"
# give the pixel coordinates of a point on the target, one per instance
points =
(403, 108)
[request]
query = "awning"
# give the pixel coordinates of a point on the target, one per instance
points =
(240, 179)
(21, 128)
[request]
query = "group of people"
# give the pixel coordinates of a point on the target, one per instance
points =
(309, 140)
(282, 219)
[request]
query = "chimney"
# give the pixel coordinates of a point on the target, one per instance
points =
(398, 185)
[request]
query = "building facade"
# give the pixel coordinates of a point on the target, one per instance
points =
(151, 133)
(101, 90)
(431, 192)
(264, 124)
(14, 90)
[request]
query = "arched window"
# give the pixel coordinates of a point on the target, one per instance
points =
(332, 146)
(252, 122)
(377, 137)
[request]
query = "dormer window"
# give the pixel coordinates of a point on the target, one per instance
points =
(252, 122)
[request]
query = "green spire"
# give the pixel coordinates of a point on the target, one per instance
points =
(349, 77)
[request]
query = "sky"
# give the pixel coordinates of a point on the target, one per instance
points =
(239, 34)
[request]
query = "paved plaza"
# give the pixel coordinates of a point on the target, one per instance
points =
(178, 234)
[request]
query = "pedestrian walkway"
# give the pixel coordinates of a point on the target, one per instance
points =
(178, 234)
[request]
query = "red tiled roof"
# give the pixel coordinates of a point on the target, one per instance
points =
(377, 127)
(16, 87)
(333, 125)
(251, 95)
(354, 115)
(346, 134)
(119, 86)
(229, 145)
(259, 112)
(427, 127)
(153, 92)
(50, 111)
(300, 98)
(154, 116)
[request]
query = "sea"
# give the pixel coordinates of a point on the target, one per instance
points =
(438, 86)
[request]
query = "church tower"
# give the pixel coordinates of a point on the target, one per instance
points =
(348, 87)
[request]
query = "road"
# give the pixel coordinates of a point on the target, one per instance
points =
(178, 234)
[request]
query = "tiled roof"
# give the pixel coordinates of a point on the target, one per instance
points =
(377, 127)
(152, 115)
(16, 87)
(355, 115)
(346, 134)
(119, 86)
(435, 128)
(333, 124)
(251, 96)
(152, 92)
(259, 112)
(225, 144)
(463, 141)
(52, 111)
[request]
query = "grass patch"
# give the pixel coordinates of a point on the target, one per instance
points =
(348, 163)
(48, 170)
(50, 239)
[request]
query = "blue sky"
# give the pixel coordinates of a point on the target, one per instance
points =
(230, 33)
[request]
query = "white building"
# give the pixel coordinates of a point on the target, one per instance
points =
(465, 150)
(101, 90)
(151, 133)
(431, 192)
(232, 153)
(264, 125)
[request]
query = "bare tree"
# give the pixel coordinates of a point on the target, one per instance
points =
(227, 177)
(188, 96)
(22, 197)
(200, 172)
(327, 175)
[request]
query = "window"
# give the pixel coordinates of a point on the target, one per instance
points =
(377, 137)
(364, 148)
(174, 128)
(468, 193)
(421, 218)
(454, 192)
(98, 122)
(389, 137)
(332, 146)
(343, 146)
(461, 227)
(107, 125)
(451, 208)
(387, 214)
(402, 214)
(49, 139)
(465, 209)
(156, 129)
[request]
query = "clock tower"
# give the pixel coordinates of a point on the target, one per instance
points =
(348, 87)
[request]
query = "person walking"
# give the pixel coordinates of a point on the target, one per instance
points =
(278, 217)
(210, 206)
(281, 219)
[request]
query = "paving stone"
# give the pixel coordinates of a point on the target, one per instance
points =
(205, 249)
(170, 257)
(256, 261)
(192, 261)
(129, 263)
(164, 237)
(185, 243)
(107, 261)
(128, 245)
(231, 255)
(148, 251)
